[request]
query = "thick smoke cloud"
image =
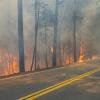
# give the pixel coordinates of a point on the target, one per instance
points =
(88, 23)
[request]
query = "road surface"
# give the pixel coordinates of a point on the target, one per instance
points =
(69, 83)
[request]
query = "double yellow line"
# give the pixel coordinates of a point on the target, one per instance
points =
(40, 93)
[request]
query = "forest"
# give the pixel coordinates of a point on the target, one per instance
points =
(43, 34)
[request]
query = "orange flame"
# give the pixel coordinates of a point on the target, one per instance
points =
(95, 57)
(68, 60)
(81, 56)
(52, 50)
(8, 62)
(12, 65)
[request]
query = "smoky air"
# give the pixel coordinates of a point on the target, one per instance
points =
(41, 34)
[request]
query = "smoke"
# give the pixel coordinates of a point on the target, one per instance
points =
(88, 31)
(90, 25)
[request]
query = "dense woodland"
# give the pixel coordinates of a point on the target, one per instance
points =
(40, 34)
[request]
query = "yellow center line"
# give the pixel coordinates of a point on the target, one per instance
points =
(37, 94)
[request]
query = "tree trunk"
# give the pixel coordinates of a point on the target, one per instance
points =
(74, 33)
(54, 58)
(36, 31)
(20, 37)
(46, 54)
(31, 68)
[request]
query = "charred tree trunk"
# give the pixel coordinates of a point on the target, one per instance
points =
(74, 33)
(74, 39)
(46, 54)
(31, 68)
(54, 58)
(34, 58)
(36, 31)
(21, 37)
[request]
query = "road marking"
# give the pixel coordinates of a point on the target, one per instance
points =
(45, 91)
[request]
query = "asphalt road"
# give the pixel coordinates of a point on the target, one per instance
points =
(85, 89)
(17, 87)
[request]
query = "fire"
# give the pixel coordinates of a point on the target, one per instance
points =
(52, 50)
(12, 64)
(8, 62)
(81, 56)
(68, 60)
(94, 57)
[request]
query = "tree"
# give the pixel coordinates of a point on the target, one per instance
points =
(45, 20)
(74, 32)
(37, 12)
(20, 37)
(54, 58)
(76, 18)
